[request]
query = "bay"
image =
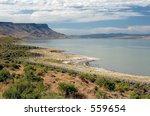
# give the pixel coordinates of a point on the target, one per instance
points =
(130, 56)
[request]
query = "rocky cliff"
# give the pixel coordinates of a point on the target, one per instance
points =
(29, 30)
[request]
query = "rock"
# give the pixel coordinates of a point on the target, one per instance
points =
(29, 30)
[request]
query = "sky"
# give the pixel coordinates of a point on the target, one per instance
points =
(77, 17)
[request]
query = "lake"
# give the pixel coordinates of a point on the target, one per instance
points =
(130, 56)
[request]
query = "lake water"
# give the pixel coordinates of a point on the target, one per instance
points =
(119, 55)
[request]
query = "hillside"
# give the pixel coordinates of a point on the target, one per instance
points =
(24, 74)
(29, 30)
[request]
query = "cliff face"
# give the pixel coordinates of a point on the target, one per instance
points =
(29, 30)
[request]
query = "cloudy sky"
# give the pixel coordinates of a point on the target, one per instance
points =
(81, 16)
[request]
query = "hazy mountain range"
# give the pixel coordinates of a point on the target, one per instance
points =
(42, 31)
(116, 35)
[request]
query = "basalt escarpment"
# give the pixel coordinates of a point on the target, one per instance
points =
(29, 30)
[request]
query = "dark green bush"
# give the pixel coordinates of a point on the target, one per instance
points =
(1, 66)
(69, 90)
(110, 85)
(14, 66)
(4, 75)
(107, 83)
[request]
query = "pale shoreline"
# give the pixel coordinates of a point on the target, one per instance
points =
(79, 63)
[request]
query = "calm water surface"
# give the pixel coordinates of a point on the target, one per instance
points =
(120, 55)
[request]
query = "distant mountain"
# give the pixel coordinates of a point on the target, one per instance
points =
(115, 35)
(29, 30)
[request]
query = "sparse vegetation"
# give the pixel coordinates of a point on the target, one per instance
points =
(20, 79)
(24, 89)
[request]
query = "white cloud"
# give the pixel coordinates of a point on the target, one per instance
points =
(68, 10)
(129, 30)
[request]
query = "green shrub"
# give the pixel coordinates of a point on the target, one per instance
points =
(37, 69)
(135, 95)
(72, 73)
(11, 93)
(139, 94)
(122, 87)
(100, 81)
(101, 95)
(110, 85)
(40, 71)
(28, 68)
(69, 90)
(52, 96)
(89, 77)
(107, 83)
(32, 77)
(60, 70)
(4, 75)
(24, 90)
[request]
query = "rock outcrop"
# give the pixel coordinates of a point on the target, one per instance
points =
(29, 30)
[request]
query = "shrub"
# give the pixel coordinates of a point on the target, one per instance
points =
(72, 73)
(11, 93)
(89, 77)
(28, 68)
(40, 71)
(135, 95)
(1, 66)
(107, 83)
(24, 90)
(122, 87)
(69, 90)
(100, 81)
(110, 85)
(32, 77)
(14, 66)
(4, 75)
(52, 96)
(101, 95)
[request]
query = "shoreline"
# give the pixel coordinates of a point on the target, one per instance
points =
(44, 70)
(80, 60)
(57, 58)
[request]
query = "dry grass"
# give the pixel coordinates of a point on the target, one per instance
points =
(85, 87)
(3, 87)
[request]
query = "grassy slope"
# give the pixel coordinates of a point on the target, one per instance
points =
(27, 80)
